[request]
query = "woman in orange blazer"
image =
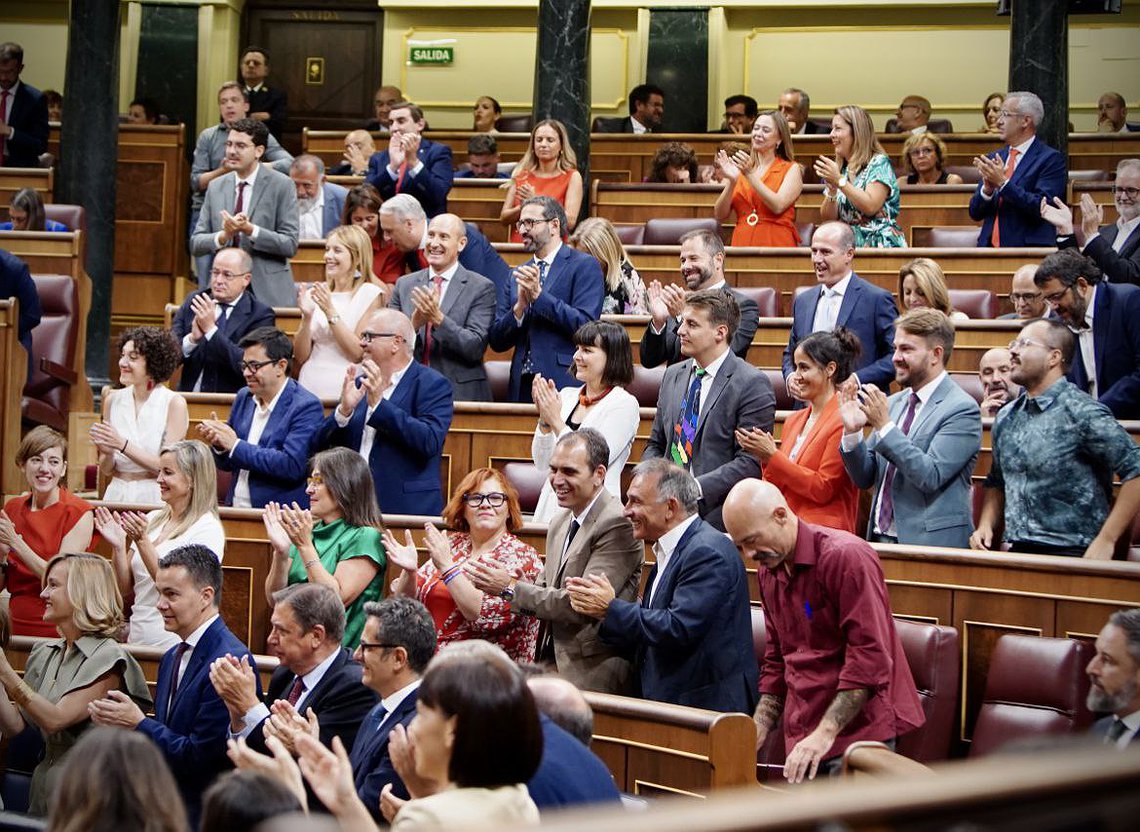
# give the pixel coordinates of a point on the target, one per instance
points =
(807, 467)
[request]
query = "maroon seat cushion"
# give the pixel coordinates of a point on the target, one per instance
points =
(527, 480)
(47, 397)
(646, 384)
(979, 304)
(499, 377)
(73, 216)
(946, 236)
(514, 123)
(934, 657)
(668, 231)
(766, 297)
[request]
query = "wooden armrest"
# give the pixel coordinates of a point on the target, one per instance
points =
(59, 371)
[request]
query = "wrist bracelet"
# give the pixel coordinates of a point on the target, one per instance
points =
(451, 573)
(21, 693)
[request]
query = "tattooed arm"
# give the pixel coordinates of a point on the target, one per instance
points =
(803, 761)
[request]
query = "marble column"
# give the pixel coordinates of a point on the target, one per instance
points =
(88, 150)
(562, 74)
(1039, 63)
(678, 62)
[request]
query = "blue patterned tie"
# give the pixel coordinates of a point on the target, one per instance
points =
(685, 431)
(527, 364)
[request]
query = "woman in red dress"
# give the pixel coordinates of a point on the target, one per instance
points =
(548, 168)
(362, 207)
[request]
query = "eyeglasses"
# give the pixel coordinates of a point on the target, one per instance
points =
(226, 275)
(368, 336)
(1024, 297)
(1131, 193)
(377, 645)
(527, 225)
(1018, 343)
(254, 366)
(495, 499)
(1056, 297)
(1008, 114)
(922, 151)
(910, 107)
(315, 480)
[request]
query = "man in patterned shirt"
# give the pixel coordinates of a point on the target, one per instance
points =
(1055, 450)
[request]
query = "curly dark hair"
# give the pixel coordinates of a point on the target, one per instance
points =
(158, 346)
(673, 155)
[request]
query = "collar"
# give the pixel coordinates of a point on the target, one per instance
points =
(391, 703)
(233, 303)
(927, 390)
(447, 273)
(1046, 397)
(549, 258)
(581, 518)
(841, 285)
(196, 636)
(1089, 311)
(637, 124)
(398, 376)
(16, 86)
(1125, 229)
(714, 366)
(249, 179)
(272, 402)
(87, 644)
(718, 285)
(1131, 721)
(806, 552)
(1024, 146)
(258, 88)
(667, 543)
(313, 678)
(918, 131)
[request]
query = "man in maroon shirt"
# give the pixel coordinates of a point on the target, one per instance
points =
(834, 665)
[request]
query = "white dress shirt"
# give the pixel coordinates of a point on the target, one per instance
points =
(1088, 344)
(827, 308)
(665, 546)
(312, 221)
(247, 200)
(446, 274)
(256, 428)
(260, 712)
(192, 640)
(368, 436)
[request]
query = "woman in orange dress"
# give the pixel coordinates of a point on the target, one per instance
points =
(761, 187)
(807, 467)
(548, 168)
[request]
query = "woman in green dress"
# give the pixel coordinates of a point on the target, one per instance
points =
(859, 184)
(62, 677)
(336, 541)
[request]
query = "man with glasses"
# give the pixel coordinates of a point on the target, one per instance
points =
(1105, 317)
(1028, 302)
(552, 294)
(265, 442)
(395, 412)
(1114, 247)
(1017, 178)
(912, 115)
(212, 321)
(1055, 451)
(740, 112)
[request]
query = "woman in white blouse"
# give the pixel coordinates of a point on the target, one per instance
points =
(603, 362)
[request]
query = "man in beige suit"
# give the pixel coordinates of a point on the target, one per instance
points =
(590, 537)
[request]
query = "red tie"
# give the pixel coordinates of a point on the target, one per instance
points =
(400, 173)
(295, 691)
(239, 204)
(437, 281)
(995, 236)
(887, 500)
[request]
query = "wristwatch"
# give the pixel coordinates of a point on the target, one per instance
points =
(842, 182)
(335, 319)
(508, 593)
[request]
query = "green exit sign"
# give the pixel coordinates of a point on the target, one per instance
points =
(431, 54)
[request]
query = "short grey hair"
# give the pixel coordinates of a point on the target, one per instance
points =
(1125, 164)
(314, 604)
(403, 207)
(245, 261)
(11, 52)
(1030, 106)
(673, 482)
(805, 99)
(308, 160)
(1129, 622)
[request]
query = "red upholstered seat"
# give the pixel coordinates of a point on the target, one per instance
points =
(934, 657)
(766, 298)
(527, 481)
(73, 216)
(970, 174)
(976, 303)
(630, 235)
(646, 384)
(946, 236)
(668, 231)
(784, 400)
(499, 376)
(47, 394)
(971, 384)
(514, 123)
(1034, 686)
(805, 230)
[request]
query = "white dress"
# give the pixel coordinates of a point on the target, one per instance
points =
(323, 374)
(143, 428)
(616, 417)
(146, 623)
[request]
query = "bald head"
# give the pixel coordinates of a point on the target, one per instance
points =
(565, 705)
(388, 339)
(1028, 300)
(757, 518)
(995, 371)
(360, 140)
(446, 237)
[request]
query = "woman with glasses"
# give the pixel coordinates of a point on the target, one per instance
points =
(991, 110)
(26, 213)
(548, 168)
(483, 513)
(922, 155)
(335, 542)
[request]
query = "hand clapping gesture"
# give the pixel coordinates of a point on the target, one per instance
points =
(403, 555)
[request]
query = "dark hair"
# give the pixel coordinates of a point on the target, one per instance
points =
(840, 345)
(613, 340)
(711, 240)
(158, 346)
(640, 95)
(1129, 621)
(240, 800)
(551, 210)
(453, 512)
(414, 111)
(276, 343)
(1059, 337)
(1067, 265)
(312, 605)
(482, 143)
(494, 709)
(597, 449)
(346, 476)
(201, 564)
(361, 196)
(150, 108)
(254, 48)
(54, 97)
(721, 306)
(932, 325)
(673, 155)
(751, 108)
(256, 130)
(31, 203)
(405, 622)
(10, 51)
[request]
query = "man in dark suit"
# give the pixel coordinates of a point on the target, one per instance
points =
(451, 310)
(690, 637)
(702, 267)
(646, 112)
(397, 418)
(23, 113)
(1114, 679)
(1016, 179)
(255, 208)
(212, 321)
(266, 104)
(265, 441)
(412, 164)
(795, 104)
(16, 282)
(190, 720)
(319, 203)
(552, 295)
(1105, 317)
(706, 399)
(845, 299)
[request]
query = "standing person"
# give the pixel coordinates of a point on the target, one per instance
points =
(141, 417)
(267, 104)
(412, 164)
(761, 187)
(23, 113)
(625, 290)
(548, 168)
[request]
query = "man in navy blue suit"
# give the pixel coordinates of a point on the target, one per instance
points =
(265, 442)
(552, 295)
(690, 637)
(16, 282)
(396, 416)
(845, 299)
(1008, 199)
(23, 113)
(319, 203)
(190, 720)
(1105, 317)
(412, 164)
(1114, 680)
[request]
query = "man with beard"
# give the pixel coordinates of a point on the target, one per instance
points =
(995, 371)
(1055, 451)
(319, 202)
(552, 294)
(1114, 679)
(702, 267)
(646, 112)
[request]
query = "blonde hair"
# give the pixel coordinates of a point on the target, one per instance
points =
(359, 246)
(596, 237)
(567, 159)
(864, 144)
(916, 140)
(194, 461)
(784, 148)
(929, 281)
(94, 595)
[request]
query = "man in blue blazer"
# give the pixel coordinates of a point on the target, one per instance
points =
(551, 296)
(690, 637)
(412, 164)
(924, 442)
(16, 282)
(320, 203)
(845, 299)
(395, 412)
(23, 113)
(190, 720)
(1008, 202)
(1114, 680)
(265, 442)
(1105, 317)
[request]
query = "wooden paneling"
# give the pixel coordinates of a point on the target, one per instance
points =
(14, 360)
(15, 179)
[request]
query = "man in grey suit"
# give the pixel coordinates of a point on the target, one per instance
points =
(706, 398)
(254, 208)
(319, 203)
(924, 441)
(1114, 680)
(451, 310)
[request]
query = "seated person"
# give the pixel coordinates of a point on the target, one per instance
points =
(991, 110)
(382, 103)
(55, 106)
(912, 116)
(675, 163)
(646, 112)
(484, 114)
(320, 203)
(1112, 115)
(923, 154)
(995, 371)
(358, 149)
(739, 114)
(923, 285)
(482, 159)
(143, 111)
(26, 213)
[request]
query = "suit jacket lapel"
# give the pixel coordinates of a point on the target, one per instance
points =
(557, 267)
(668, 577)
(719, 382)
(260, 185)
(404, 388)
(455, 291)
(1102, 312)
(279, 411)
(850, 298)
(578, 546)
(815, 433)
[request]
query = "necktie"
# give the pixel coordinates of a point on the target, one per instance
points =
(1115, 731)
(685, 431)
(378, 715)
(437, 283)
(239, 205)
(528, 364)
(223, 315)
(295, 691)
(401, 172)
(179, 652)
(887, 502)
(574, 526)
(995, 237)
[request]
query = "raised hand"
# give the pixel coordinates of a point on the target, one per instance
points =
(1058, 215)
(403, 555)
(275, 529)
(851, 411)
(727, 167)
